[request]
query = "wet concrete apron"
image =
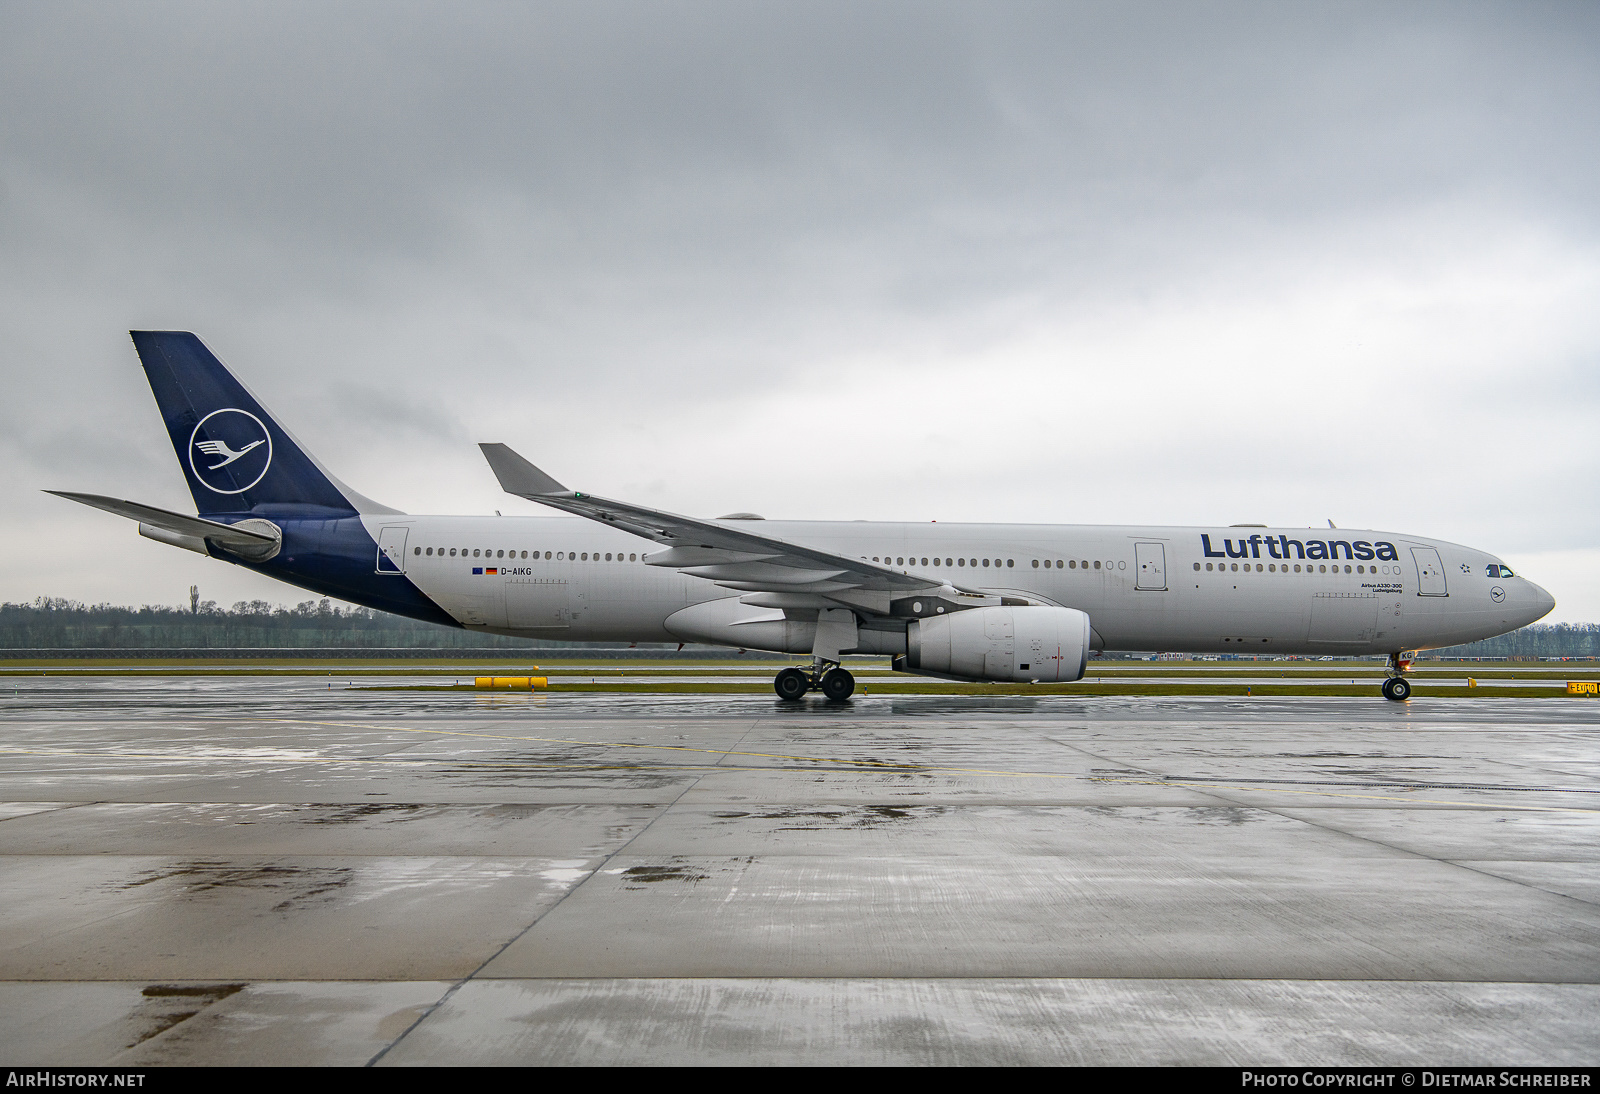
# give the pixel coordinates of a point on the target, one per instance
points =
(269, 871)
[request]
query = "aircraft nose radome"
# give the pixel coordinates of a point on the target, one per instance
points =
(1543, 602)
(1546, 602)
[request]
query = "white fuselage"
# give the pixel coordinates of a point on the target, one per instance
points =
(1244, 590)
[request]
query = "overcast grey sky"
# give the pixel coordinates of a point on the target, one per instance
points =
(1099, 263)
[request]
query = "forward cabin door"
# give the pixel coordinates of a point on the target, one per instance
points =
(1151, 560)
(1430, 572)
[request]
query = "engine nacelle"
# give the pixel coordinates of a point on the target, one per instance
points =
(1047, 645)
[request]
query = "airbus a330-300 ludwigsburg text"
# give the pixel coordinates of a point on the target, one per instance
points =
(985, 602)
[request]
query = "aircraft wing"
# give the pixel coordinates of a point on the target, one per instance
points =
(783, 574)
(198, 527)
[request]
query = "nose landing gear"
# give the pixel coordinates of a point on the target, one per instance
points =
(1397, 687)
(834, 682)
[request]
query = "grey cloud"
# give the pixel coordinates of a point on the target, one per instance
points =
(665, 132)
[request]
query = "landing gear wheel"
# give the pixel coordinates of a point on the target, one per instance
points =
(838, 684)
(1396, 688)
(791, 685)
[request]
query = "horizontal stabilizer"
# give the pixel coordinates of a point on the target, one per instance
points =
(517, 475)
(222, 534)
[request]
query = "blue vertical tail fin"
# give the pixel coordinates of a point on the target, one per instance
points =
(236, 458)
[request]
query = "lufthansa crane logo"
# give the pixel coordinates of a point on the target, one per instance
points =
(229, 451)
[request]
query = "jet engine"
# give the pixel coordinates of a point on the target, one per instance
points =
(1038, 644)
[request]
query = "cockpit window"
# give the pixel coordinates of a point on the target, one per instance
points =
(1496, 570)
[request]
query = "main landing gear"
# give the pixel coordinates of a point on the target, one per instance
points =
(834, 682)
(1397, 687)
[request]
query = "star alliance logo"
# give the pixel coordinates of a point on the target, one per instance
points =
(223, 439)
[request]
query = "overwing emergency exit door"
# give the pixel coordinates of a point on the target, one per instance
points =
(1150, 559)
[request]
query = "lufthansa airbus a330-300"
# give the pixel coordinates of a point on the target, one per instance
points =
(981, 602)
